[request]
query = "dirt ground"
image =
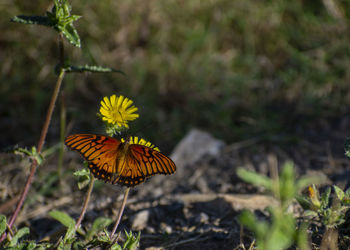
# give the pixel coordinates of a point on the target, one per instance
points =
(197, 207)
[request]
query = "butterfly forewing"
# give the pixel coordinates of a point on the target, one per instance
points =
(100, 152)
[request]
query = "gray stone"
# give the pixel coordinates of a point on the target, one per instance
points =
(194, 146)
(139, 220)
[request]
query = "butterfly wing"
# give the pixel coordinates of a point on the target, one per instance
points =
(142, 162)
(100, 151)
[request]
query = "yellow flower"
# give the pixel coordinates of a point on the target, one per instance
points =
(141, 141)
(118, 110)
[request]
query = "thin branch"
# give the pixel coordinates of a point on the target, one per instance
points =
(86, 202)
(120, 212)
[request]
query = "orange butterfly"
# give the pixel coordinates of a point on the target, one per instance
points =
(119, 162)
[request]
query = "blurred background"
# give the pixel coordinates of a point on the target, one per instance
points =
(237, 69)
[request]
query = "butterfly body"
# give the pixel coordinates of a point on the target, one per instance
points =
(120, 162)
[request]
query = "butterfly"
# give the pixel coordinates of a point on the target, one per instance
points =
(118, 162)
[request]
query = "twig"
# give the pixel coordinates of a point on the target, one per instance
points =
(42, 137)
(120, 213)
(86, 202)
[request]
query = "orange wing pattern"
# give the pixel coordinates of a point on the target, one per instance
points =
(100, 152)
(117, 162)
(142, 162)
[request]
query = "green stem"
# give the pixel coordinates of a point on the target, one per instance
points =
(120, 212)
(86, 202)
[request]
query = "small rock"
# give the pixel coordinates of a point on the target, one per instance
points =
(139, 220)
(201, 218)
(166, 228)
(194, 146)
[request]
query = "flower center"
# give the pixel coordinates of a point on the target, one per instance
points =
(117, 116)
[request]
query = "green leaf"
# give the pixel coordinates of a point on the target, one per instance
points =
(62, 217)
(310, 213)
(131, 242)
(325, 198)
(287, 183)
(72, 18)
(32, 245)
(23, 231)
(70, 234)
(303, 201)
(91, 68)
(39, 20)
(98, 225)
(84, 177)
(281, 231)
(71, 34)
(347, 192)
(3, 225)
(302, 237)
(249, 220)
(340, 193)
(33, 154)
(254, 178)
(116, 246)
(82, 172)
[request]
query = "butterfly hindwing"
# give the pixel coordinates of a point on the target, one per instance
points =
(100, 152)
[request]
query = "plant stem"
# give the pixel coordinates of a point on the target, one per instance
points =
(42, 138)
(86, 202)
(120, 212)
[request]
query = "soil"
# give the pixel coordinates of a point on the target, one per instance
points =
(196, 208)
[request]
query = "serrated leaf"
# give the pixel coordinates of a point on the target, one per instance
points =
(82, 172)
(340, 193)
(39, 20)
(23, 231)
(71, 34)
(254, 178)
(91, 68)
